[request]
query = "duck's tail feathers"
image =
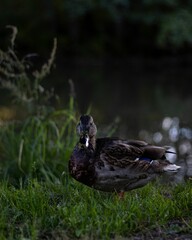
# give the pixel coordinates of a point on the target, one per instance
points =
(169, 149)
(170, 152)
(171, 168)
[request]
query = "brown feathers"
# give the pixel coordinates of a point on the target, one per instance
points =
(112, 164)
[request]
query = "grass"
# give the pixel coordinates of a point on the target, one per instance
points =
(69, 210)
(39, 200)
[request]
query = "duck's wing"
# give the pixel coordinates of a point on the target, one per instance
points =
(119, 153)
(150, 151)
(130, 153)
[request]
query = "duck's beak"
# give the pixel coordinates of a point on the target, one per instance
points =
(84, 140)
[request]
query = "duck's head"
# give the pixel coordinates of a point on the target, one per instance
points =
(86, 129)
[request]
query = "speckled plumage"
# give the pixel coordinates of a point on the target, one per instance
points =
(113, 164)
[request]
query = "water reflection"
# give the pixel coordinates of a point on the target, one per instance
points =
(140, 92)
(180, 140)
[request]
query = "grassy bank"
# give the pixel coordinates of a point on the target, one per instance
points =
(39, 200)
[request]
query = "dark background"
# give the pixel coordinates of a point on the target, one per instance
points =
(129, 60)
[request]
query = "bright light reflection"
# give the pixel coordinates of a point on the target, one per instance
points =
(173, 134)
(157, 137)
(166, 123)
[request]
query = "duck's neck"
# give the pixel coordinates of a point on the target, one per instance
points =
(89, 146)
(92, 142)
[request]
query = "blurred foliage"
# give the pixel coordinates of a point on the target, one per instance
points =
(100, 27)
(176, 28)
(23, 84)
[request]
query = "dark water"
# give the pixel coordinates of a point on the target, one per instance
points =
(138, 92)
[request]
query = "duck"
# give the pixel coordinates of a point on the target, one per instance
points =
(112, 164)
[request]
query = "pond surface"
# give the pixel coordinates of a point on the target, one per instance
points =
(138, 92)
